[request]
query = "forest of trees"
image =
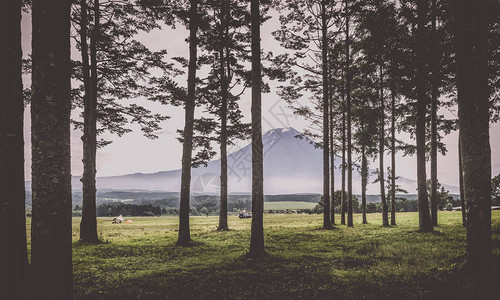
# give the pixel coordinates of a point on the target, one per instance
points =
(369, 69)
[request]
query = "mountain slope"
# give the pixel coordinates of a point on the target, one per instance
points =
(291, 165)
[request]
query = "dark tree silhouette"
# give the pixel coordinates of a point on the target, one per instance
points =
(257, 231)
(381, 151)
(305, 25)
(425, 222)
(365, 115)
(332, 161)
(13, 254)
(326, 107)
(472, 21)
(225, 36)
(393, 154)
(434, 60)
(88, 225)
(367, 118)
(224, 83)
(336, 87)
(343, 205)
(441, 65)
(379, 27)
(50, 136)
(187, 146)
(113, 66)
(348, 113)
(461, 183)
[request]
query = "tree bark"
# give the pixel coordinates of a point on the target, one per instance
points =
(257, 231)
(434, 99)
(342, 197)
(88, 225)
(393, 155)
(223, 117)
(50, 136)
(184, 236)
(381, 150)
(349, 135)
(461, 181)
(364, 181)
(332, 166)
(425, 222)
(326, 128)
(14, 269)
(471, 19)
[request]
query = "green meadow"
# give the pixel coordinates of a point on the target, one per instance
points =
(291, 205)
(141, 261)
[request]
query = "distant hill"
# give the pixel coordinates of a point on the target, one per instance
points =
(171, 199)
(291, 166)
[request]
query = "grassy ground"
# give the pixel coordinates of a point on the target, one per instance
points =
(283, 205)
(140, 260)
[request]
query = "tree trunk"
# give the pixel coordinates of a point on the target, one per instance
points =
(50, 137)
(332, 166)
(434, 99)
(223, 117)
(349, 135)
(364, 181)
(425, 222)
(342, 197)
(461, 180)
(473, 115)
(88, 225)
(326, 128)
(187, 146)
(14, 269)
(381, 140)
(257, 233)
(393, 155)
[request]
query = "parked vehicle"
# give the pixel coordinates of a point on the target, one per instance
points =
(244, 215)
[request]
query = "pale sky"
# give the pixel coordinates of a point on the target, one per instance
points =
(134, 153)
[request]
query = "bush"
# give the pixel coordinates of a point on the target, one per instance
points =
(371, 207)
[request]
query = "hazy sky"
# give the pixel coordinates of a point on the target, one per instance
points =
(134, 153)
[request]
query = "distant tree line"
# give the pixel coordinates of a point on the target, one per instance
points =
(116, 209)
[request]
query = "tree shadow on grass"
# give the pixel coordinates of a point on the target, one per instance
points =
(80, 243)
(189, 244)
(434, 232)
(325, 229)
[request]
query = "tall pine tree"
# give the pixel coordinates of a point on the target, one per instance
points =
(471, 25)
(257, 229)
(51, 235)
(14, 280)
(184, 236)
(114, 66)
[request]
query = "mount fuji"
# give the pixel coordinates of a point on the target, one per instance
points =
(291, 165)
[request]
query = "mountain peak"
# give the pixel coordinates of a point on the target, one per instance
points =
(291, 165)
(275, 135)
(285, 131)
(282, 130)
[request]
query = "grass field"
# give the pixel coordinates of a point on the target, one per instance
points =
(140, 260)
(282, 205)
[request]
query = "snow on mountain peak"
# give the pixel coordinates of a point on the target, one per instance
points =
(281, 131)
